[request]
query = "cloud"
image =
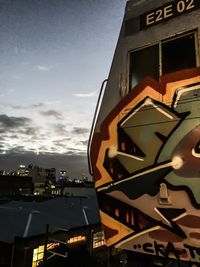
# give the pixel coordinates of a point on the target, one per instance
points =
(21, 134)
(17, 133)
(85, 94)
(18, 107)
(43, 68)
(55, 102)
(62, 142)
(39, 105)
(60, 129)
(14, 136)
(34, 106)
(52, 113)
(31, 131)
(8, 92)
(85, 143)
(17, 149)
(79, 130)
(58, 143)
(7, 122)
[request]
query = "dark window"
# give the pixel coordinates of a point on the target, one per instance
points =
(144, 63)
(173, 55)
(178, 54)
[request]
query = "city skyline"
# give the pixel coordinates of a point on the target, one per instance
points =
(54, 56)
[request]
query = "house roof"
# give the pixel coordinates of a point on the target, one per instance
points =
(26, 219)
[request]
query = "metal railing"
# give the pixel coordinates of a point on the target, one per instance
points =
(96, 113)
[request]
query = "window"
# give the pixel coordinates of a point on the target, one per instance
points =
(144, 63)
(76, 239)
(52, 246)
(98, 239)
(38, 254)
(178, 54)
(165, 57)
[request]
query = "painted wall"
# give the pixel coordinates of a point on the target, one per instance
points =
(146, 166)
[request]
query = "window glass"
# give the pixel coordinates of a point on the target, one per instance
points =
(143, 63)
(98, 239)
(76, 239)
(178, 54)
(38, 254)
(174, 55)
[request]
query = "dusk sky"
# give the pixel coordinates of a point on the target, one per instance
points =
(54, 56)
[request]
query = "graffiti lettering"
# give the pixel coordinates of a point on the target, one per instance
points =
(192, 250)
(159, 249)
(146, 132)
(170, 250)
(147, 247)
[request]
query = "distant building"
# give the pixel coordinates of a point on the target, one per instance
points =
(22, 171)
(13, 185)
(63, 175)
(38, 174)
(50, 174)
(84, 178)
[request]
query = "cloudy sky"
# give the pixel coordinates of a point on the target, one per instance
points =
(54, 56)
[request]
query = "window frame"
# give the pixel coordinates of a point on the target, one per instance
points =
(159, 43)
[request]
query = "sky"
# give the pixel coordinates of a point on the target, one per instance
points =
(54, 56)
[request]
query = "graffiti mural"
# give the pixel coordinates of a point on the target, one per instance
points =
(146, 164)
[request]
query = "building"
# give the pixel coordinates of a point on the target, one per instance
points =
(63, 175)
(23, 171)
(40, 177)
(51, 174)
(13, 185)
(54, 229)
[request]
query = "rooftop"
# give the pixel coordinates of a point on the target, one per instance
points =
(26, 219)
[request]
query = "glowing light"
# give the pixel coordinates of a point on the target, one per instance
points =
(76, 239)
(22, 166)
(112, 152)
(177, 162)
(148, 101)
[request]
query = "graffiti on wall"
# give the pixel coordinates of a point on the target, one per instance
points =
(146, 163)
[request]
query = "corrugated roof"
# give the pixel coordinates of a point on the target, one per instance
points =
(25, 219)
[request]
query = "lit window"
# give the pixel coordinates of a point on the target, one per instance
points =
(38, 254)
(98, 239)
(52, 246)
(76, 239)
